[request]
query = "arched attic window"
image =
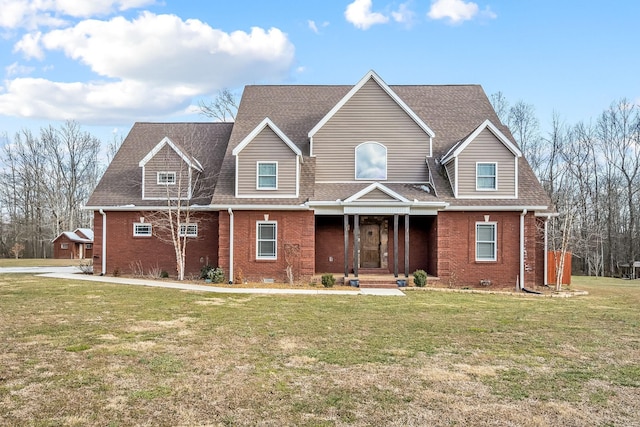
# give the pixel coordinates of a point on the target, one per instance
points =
(371, 161)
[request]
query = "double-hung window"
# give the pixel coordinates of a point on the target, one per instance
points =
(188, 230)
(486, 241)
(166, 178)
(267, 175)
(266, 240)
(486, 176)
(141, 229)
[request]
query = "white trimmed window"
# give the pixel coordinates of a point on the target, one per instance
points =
(486, 176)
(141, 229)
(266, 240)
(486, 241)
(64, 246)
(189, 230)
(267, 175)
(89, 246)
(371, 161)
(166, 178)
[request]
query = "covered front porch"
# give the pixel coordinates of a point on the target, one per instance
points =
(391, 245)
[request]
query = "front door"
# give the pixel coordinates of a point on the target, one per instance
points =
(370, 245)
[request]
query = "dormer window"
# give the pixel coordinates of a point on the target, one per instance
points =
(166, 178)
(371, 161)
(486, 176)
(267, 176)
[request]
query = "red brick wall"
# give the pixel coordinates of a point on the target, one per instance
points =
(456, 265)
(330, 243)
(294, 228)
(420, 251)
(123, 249)
(59, 253)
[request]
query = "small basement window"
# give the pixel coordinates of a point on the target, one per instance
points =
(142, 230)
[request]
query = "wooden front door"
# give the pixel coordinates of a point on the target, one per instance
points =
(370, 245)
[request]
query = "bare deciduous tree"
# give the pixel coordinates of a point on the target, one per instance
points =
(222, 108)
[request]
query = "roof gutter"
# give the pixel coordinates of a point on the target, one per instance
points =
(230, 211)
(522, 216)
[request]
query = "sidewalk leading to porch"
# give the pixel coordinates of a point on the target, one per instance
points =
(204, 288)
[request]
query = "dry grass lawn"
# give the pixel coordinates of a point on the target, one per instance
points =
(81, 353)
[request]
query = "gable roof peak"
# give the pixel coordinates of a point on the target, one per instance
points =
(189, 160)
(459, 146)
(372, 75)
(266, 123)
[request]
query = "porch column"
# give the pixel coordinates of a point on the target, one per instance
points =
(346, 245)
(395, 245)
(406, 245)
(356, 244)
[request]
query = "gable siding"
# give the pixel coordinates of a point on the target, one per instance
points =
(377, 194)
(371, 115)
(267, 147)
(166, 160)
(451, 173)
(486, 148)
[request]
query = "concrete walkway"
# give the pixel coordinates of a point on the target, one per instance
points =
(39, 270)
(204, 288)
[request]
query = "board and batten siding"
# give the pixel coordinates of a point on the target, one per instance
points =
(166, 160)
(371, 115)
(267, 147)
(486, 148)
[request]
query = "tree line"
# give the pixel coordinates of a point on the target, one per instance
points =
(46, 178)
(591, 171)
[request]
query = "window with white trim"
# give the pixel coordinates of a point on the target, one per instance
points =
(266, 240)
(141, 229)
(64, 246)
(267, 176)
(166, 178)
(371, 161)
(188, 230)
(89, 246)
(486, 176)
(486, 241)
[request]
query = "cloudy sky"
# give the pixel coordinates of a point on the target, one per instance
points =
(109, 63)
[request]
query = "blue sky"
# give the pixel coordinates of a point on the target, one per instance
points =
(109, 63)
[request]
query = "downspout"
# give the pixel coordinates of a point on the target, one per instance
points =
(104, 242)
(522, 215)
(230, 245)
(546, 252)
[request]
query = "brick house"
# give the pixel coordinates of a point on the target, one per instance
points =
(368, 178)
(77, 244)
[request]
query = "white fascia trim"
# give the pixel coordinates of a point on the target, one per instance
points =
(267, 196)
(496, 208)
(192, 163)
(547, 214)
(415, 203)
(255, 132)
(301, 207)
(455, 168)
(144, 174)
(488, 196)
(496, 132)
(377, 186)
(372, 75)
(134, 208)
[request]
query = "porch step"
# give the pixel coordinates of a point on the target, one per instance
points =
(379, 281)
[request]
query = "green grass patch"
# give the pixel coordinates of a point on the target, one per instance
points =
(102, 354)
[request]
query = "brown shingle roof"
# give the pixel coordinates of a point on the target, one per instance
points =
(451, 111)
(122, 181)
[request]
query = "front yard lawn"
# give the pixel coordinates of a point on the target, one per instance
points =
(83, 353)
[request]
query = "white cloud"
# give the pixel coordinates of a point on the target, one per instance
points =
(148, 67)
(33, 14)
(314, 27)
(360, 15)
(17, 69)
(456, 11)
(404, 15)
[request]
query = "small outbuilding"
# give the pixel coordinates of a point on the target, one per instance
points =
(77, 244)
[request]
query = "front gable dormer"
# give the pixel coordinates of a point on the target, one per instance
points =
(483, 165)
(168, 172)
(267, 164)
(371, 117)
